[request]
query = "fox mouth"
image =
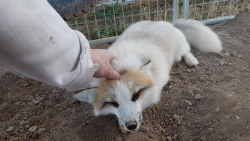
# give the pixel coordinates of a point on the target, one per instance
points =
(131, 128)
(139, 122)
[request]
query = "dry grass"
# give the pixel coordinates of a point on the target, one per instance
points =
(112, 20)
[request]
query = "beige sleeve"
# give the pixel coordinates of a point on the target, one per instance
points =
(36, 43)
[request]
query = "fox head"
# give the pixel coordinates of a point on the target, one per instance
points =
(125, 97)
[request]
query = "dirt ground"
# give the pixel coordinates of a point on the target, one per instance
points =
(210, 102)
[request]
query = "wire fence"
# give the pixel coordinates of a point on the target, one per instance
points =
(110, 18)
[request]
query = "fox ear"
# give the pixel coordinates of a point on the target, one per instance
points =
(86, 95)
(146, 66)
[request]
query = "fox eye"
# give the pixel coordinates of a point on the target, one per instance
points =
(137, 94)
(114, 104)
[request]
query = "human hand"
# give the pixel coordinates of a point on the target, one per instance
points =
(103, 58)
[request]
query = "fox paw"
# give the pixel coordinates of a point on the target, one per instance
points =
(190, 60)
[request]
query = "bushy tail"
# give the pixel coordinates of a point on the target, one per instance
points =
(199, 35)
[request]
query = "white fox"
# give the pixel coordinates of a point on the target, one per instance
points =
(146, 52)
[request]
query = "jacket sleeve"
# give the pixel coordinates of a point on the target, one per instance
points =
(36, 42)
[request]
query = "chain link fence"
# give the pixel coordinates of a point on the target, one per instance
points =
(109, 19)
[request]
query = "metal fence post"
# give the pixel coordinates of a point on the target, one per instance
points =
(175, 10)
(185, 9)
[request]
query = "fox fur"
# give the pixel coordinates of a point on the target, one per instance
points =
(146, 52)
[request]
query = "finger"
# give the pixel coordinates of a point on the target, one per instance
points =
(111, 73)
(112, 56)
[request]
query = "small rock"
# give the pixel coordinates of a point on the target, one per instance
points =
(237, 117)
(232, 54)
(169, 138)
(222, 62)
(27, 126)
(189, 70)
(226, 54)
(227, 77)
(23, 122)
(197, 96)
(193, 69)
(11, 128)
(32, 128)
(152, 136)
(157, 126)
(173, 73)
(16, 139)
(144, 129)
(178, 119)
(25, 85)
(196, 91)
(40, 98)
(203, 138)
(23, 104)
(217, 109)
(30, 104)
(239, 56)
(210, 129)
(160, 128)
(40, 131)
(118, 139)
(17, 103)
(35, 101)
(188, 102)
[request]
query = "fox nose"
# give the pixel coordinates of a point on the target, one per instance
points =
(131, 125)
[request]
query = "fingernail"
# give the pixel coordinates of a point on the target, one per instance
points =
(117, 75)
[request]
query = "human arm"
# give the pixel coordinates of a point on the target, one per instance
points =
(35, 42)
